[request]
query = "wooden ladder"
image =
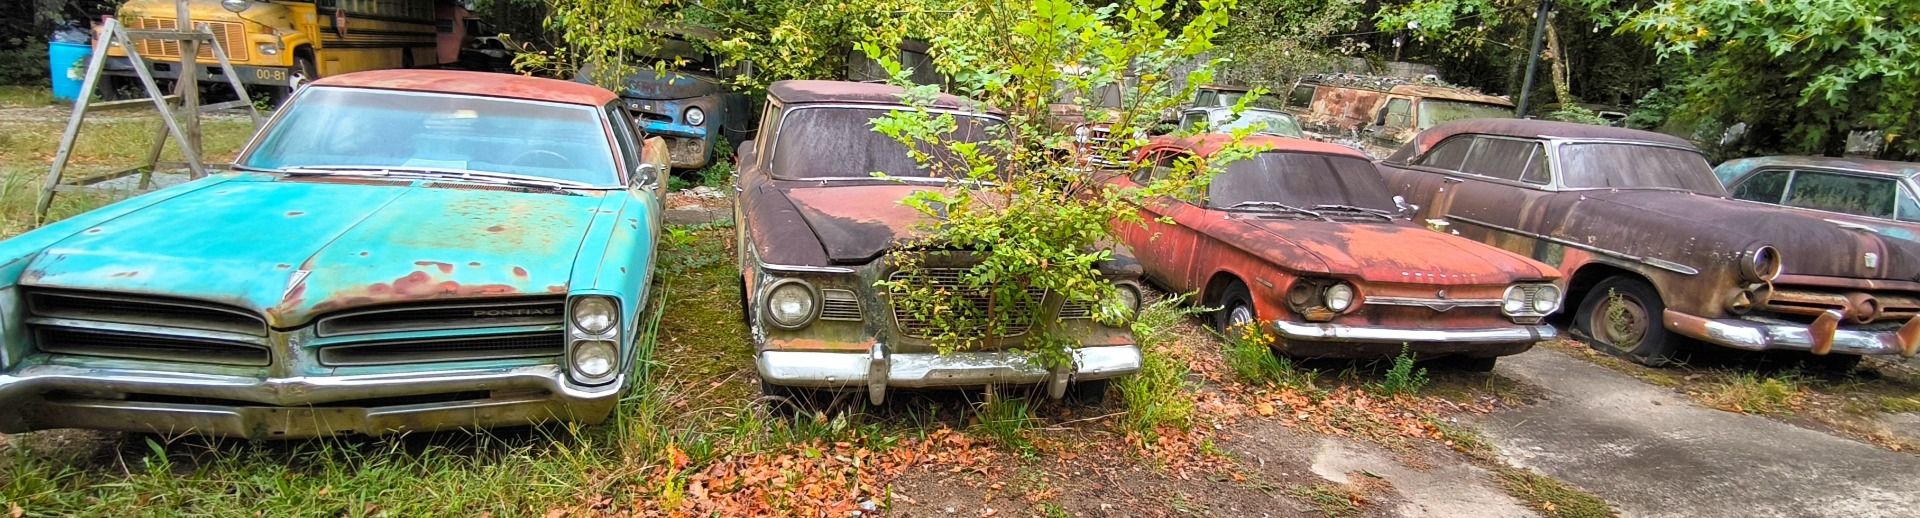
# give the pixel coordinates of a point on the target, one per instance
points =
(112, 34)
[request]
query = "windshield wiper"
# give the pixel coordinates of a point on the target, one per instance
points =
(1362, 210)
(432, 173)
(1246, 205)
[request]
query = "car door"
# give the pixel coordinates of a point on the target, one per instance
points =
(1497, 183)
(1164, 241)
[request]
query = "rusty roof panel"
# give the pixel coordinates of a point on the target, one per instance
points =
(474, 83)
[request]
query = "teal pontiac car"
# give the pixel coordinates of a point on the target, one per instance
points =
(395, 251)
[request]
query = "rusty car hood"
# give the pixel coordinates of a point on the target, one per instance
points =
(856, 223)
(1393, 252)
(293, 249)
(1809, 244)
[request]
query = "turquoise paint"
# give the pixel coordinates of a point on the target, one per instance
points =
(239, 239)
(241, 243)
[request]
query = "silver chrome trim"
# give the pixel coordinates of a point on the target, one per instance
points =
(1764, 336)
(279, 407)
(788, 268)
(1649, 261)
(1441, 305)
(1346, 333)
(878, 369)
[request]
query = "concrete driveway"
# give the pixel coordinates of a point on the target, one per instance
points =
(1652, 452)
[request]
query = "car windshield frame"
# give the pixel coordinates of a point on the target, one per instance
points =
(616, 178)
(1426, 121)
(787, 113)
(1565, 172)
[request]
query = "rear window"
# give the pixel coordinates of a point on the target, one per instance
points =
(839, 142)
(1632, 166)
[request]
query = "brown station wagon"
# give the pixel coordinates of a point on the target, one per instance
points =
(817, 231)
(1654, 250)
(1303, 240)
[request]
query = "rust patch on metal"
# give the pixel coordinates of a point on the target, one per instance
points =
(293, 213)
(557, 288)
(496, 229)
(126, 274)
(1822, 331)
(1909, 336)
(519, 272)
(443, 267)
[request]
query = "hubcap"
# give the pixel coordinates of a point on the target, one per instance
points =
(1240, 315)
(1619, 321)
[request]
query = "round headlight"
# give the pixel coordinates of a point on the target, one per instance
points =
(1339, 297)
(1760, 264)
(1546, 299)
(1516, 300)
(594, 315)
(695, 116)
(1082, 134)
(235, 5)
(594, 358)
(790, 304)
(1128, 298)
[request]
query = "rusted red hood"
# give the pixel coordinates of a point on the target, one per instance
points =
(1706, 229)
(1394, 252)
(856, 223)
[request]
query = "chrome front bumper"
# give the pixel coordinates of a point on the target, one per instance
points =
(59, 396)
(877, 369)
(1358, 334)
(1821, 337)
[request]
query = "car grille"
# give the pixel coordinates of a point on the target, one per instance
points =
(1076, 310)
(839, 305)
(143, 346)
(153, 311)
(949, 279)
(497, 347)
(471, 315)
(232, 37)
(1810, 302)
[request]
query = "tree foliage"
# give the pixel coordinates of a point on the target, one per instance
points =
(1800, 73)
(1035, 216)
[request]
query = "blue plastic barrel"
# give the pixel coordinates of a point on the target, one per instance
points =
(67, 78)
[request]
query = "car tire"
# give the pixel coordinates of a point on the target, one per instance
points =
(1635, 332)
(1236, 308)
(1089, 392)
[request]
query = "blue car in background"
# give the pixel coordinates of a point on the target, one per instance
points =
(1876, 195)
(400, 250)
(686, 101)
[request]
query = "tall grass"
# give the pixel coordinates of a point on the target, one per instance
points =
(1158, 395)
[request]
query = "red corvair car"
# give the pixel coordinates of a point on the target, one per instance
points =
(1304, 239)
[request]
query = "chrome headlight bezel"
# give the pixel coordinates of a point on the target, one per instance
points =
(1339, 297)
(235, 6)
(809, 313)
(588, 356)
(594, 315)
(1760, 264)
(1530, 300)
(593, 355)
(694, 116)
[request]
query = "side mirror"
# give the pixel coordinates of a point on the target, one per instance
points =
(646, 176)
(1406, 209)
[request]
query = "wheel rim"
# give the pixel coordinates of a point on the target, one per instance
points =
(1240, 315)
(1619, 321)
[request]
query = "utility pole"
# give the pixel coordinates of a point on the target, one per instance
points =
(1533, 58)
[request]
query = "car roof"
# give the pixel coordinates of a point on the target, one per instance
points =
(1529, 128)
(817, 91)
(486, 84)
(1863, 165)
(1451, 94)
(1211, 143)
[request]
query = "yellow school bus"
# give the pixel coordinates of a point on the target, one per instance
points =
(276, 45)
